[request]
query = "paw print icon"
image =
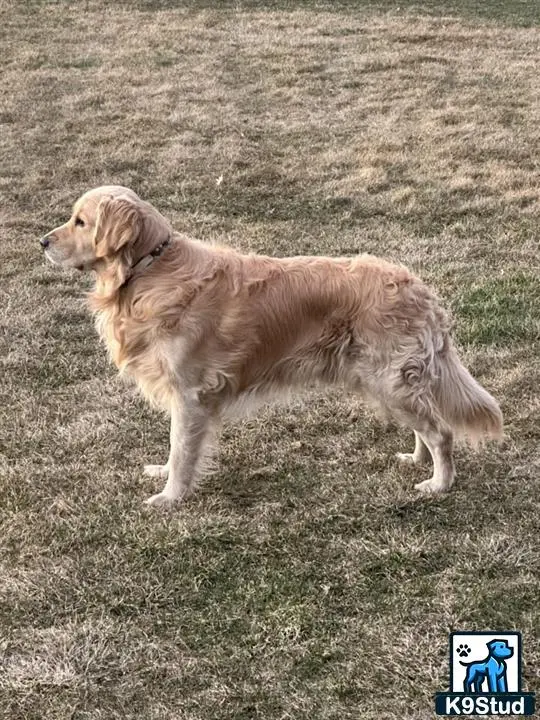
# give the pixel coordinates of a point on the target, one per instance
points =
(463, 650)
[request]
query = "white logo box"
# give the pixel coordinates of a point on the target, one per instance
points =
(477, 644)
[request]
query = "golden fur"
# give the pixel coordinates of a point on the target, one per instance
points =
(203, 329)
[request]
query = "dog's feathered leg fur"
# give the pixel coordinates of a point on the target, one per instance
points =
(191, 423)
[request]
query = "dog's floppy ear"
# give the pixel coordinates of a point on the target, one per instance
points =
(118, 223)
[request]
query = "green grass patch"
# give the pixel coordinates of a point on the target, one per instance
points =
(499, 311)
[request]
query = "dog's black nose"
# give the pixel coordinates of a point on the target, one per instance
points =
(45, 242)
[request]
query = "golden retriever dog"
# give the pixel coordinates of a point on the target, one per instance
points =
(204, 329)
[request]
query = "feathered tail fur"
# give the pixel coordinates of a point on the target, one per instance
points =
(463, 403)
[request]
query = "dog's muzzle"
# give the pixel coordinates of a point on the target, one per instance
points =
(46, 243)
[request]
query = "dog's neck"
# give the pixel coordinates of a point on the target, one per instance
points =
(108, 289)
(143, 263)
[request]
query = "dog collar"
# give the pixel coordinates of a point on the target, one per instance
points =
(146, 260)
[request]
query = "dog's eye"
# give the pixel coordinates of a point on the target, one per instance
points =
(79, 221)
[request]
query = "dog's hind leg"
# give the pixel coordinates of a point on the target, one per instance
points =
(420, 455)
(479, 681)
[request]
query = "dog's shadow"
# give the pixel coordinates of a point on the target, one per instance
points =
(241, 488)
(245, 489)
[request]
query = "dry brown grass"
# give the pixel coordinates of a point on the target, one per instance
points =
(305, 579)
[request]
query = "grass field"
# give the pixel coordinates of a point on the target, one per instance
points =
(305, 579)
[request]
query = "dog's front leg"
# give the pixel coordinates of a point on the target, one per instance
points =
(491, 676)
(162, 471)
(190, 425)
(501, 683)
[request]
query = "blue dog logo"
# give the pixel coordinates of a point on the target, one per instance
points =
(493, 669)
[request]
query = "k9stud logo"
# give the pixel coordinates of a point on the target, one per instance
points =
(485, 676)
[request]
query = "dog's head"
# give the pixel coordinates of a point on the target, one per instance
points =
(500, 649)
(110, 226)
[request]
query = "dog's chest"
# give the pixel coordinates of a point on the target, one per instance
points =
(107, 327)
(154, 362)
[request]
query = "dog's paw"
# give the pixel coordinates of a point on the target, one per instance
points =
(430, 487)
(463, 650)
(406, 458)
(161, 501)
(156, 471)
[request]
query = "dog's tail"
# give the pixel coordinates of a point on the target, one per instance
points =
(463, 403)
